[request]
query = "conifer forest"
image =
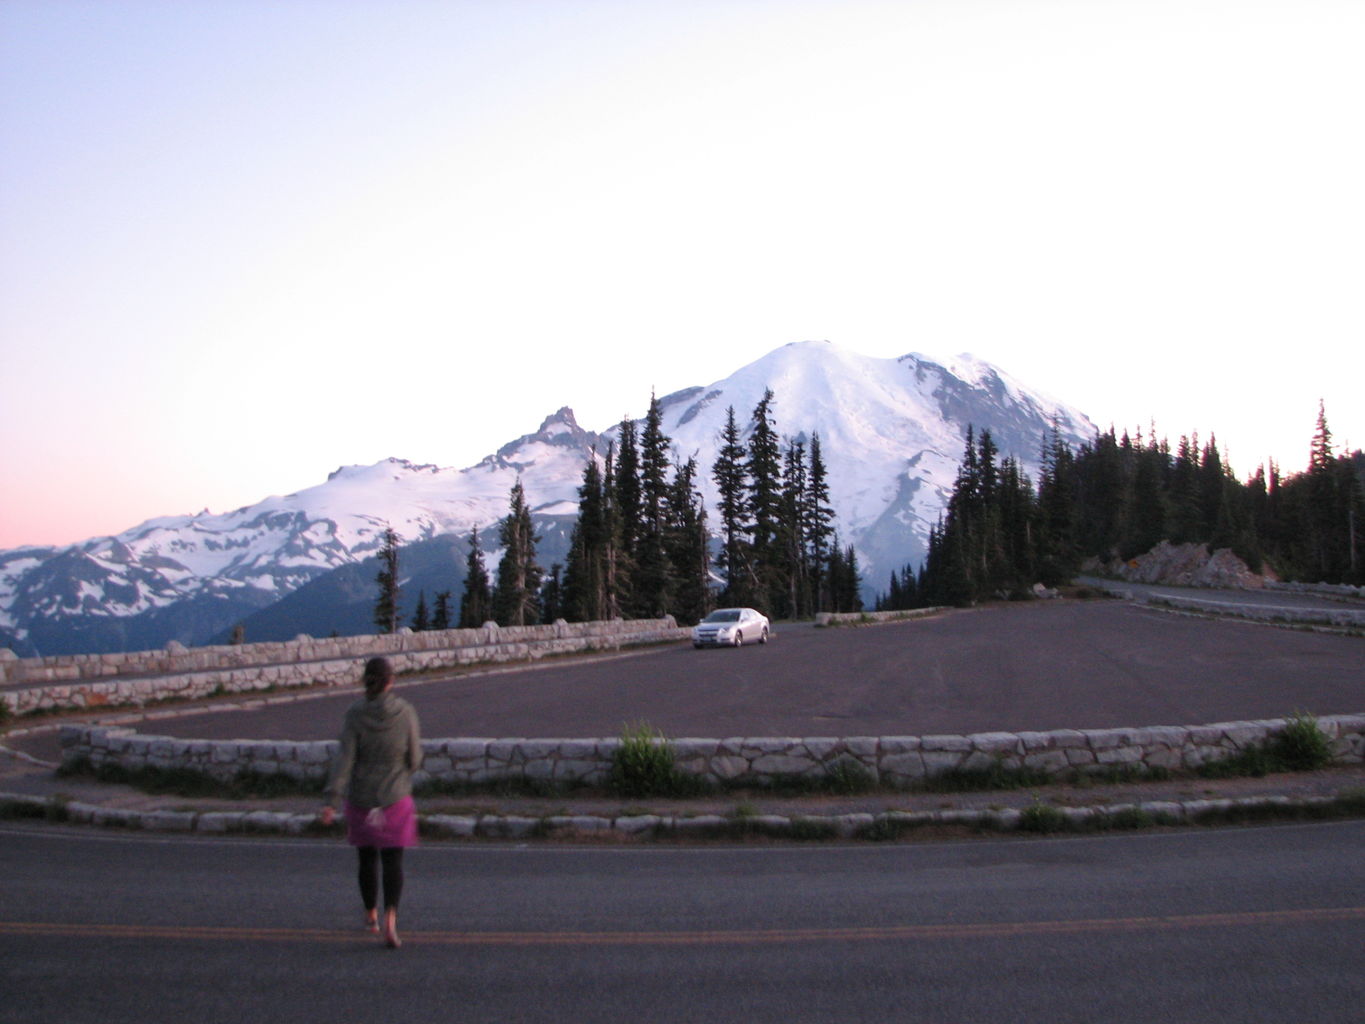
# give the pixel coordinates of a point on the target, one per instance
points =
(643, 545)
(1117, 497)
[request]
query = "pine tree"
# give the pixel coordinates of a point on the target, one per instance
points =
(551, 596)
(440, 619)
(421, 618)
(686, 543)
(652, 579)
(732, 482)
(517, 593)
(1147, 521)
(616, 561)
(1186, 520)
(476, 602)
(1320, 454)
(819, 525)
(845, 579)
(1058, 555)
(764, 468)
(386, 615)
(790, 555)
(585, 575)
(627, 487)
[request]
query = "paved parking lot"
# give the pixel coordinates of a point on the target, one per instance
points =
(1044, 665)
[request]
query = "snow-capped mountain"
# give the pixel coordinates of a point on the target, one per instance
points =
(891, 431)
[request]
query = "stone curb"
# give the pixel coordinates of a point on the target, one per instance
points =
(1275, 615)
(625, 827)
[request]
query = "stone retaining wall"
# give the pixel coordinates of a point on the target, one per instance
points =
(871, 618)
(176, 658)
(898, 762)
(179, 673)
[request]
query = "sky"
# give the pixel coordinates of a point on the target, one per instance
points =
(244, 243)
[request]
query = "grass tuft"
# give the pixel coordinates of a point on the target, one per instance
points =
(643, 765)
(1299, 747)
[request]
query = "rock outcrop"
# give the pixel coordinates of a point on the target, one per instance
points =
(1183, 565)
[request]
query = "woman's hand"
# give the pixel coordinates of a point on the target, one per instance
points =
(328, 814)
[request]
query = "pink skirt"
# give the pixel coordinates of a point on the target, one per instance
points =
(383, 827)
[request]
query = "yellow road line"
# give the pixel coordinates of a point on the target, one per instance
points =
(887, 933)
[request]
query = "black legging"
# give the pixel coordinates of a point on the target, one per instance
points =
(370, 860)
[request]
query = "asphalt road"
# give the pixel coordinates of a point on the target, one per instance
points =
(1242, 925)
(1034, 666)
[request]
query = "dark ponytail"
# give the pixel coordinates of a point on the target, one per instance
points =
(378, 675)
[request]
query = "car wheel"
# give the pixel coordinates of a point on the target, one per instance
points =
(739, 638)
(763, 637)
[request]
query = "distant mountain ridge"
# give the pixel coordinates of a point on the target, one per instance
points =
(891, 431)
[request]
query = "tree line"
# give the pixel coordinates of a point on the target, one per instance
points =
(1117, 497)
(641, 546)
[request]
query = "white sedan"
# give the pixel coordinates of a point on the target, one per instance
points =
(730, 627)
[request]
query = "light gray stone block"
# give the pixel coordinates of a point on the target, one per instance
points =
(457, 825)
(637, 823)
(945, 743)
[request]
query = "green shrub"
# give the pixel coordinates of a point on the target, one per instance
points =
(1301, 745)
(847, 777)
(643, 765)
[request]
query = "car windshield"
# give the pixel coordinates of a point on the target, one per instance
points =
(724, 615)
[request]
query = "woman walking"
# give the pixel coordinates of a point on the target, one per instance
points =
(380, 749)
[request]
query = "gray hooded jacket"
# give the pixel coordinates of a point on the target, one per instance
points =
(380, 749)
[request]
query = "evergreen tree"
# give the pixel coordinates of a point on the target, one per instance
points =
(421, 618)
(386, 616)
(652, 578)
(476, 602)
(1320, 454)
(627, 487)
(1019, 527)
(1058, 556)
(790, 556)
(617, 561)
(585, 575)
(1186, 521)
(764, 468)
(1147, 522)
(845, 579)
(1102, 495)
(1325, 504)
(686, 543)
(732, 482)
(819, 525)
(440, 619)
(551, 596)
(516, 595)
